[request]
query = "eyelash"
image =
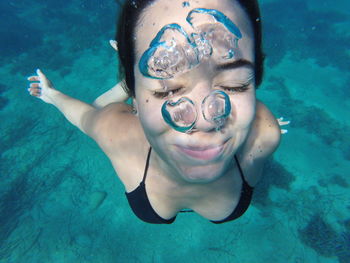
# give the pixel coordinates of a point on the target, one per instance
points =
(165, 94)
(236, 89)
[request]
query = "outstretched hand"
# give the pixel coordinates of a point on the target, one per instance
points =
(283, 123)
(40, 86)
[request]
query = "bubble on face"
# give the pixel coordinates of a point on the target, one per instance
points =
(164, 85)
(185, 4)
(216, 107)
(203, 47)
(170, 52)
(220, 32)
(181, 115)
(200, 16)
(184, 115)
(174, 52)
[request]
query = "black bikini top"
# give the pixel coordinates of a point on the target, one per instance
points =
(142, 208)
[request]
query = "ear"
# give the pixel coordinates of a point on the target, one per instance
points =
(135, 107)
(114, 44)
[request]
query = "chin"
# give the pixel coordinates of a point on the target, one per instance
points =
(203, 173)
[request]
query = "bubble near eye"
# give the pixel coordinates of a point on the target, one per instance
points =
(166, 59)
(184, 116)
(216, 107)
(174, 52)
(222, 34)
(166, 63)
(180, 115)
(191, 55)
(231, 40)
(203, 47)
(170, 53)
(224, 44)
(200, 16)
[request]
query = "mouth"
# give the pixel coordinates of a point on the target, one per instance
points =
(206, 153)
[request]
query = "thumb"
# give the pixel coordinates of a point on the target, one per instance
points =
(43, 78)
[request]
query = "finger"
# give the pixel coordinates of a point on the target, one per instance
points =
(284, 123)
(284, 131)
(40, 73)
(33, 78)
(34, 85)
(43, 79)
(35, 92)
(114, 44)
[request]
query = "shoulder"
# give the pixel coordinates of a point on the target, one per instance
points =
(113, 115)
(263, 139)
(119, 134)
(268, 130)
(116, 128)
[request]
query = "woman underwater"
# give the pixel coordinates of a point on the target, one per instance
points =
(196, 137)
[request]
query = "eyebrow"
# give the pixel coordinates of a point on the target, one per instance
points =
(235, 64)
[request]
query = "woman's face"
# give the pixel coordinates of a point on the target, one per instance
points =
(204, 154)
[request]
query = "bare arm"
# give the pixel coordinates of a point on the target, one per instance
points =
(74, 110)
(115, 94)
(262, 142)
(269, 128)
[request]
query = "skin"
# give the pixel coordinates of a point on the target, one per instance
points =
(176, 181)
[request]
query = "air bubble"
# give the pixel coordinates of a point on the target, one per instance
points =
(173, 51)
(165, 87)
(165, 62)
(185, 4)
(231, 54)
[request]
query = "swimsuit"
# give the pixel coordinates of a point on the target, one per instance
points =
(142, 208)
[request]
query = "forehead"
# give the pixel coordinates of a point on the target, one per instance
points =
(164, 12)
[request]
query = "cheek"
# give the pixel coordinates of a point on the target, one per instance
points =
(243, 111)
(150, 117)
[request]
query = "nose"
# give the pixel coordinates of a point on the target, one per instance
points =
(203, 125)
(198, 95)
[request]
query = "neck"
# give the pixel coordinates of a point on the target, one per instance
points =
(175, 176)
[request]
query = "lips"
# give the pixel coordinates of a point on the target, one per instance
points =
(202, 153)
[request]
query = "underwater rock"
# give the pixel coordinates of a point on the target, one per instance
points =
(339, 180)
(3, 88)
(3, 102)
(274, 174)
(319, 235)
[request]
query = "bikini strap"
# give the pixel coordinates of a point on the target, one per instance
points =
(240, 170)
(147, 164)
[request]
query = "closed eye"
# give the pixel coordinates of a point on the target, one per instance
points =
(240, 88)
(166, 94)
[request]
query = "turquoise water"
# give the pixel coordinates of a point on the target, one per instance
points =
(60, 200)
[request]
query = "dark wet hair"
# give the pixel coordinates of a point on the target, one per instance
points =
(129, 18)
